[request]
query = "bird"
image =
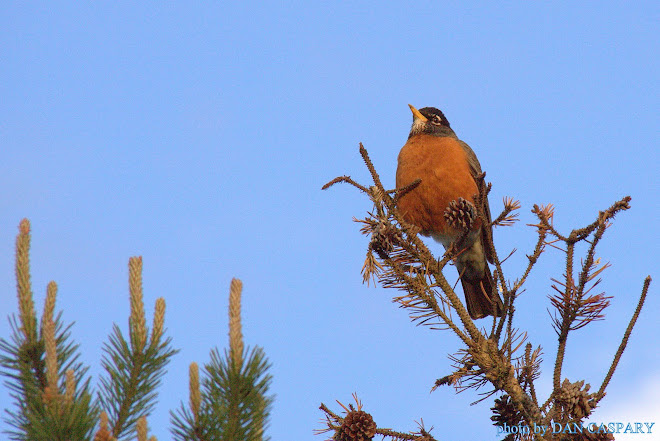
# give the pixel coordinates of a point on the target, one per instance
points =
(443, 205)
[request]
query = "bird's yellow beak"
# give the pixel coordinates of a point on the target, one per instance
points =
(416, 113)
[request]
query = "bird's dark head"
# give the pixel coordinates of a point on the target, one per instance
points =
(429, 120)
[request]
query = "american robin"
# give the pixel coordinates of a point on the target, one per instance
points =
(448, 169)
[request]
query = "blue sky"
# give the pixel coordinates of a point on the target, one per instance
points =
(199, 136)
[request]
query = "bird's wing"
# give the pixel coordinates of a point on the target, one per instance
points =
(475, 170)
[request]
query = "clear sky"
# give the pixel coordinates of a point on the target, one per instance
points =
(199, 134)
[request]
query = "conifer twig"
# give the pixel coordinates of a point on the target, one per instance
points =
(400, 192)
(133, 370)
(48, 406)
(574, 310)
(624, 341)
(70, 386)
(103, 434)
(49, 304)
(141, 429)
(235, 331)
(51, 357)
(137, 318)
(159, 321)
(346, 179)
(195, 394)
(23, 283)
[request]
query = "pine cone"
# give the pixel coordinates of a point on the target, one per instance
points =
(460, 214)
(383, 238)
(575, 402)
(504, 412)
(357, 426)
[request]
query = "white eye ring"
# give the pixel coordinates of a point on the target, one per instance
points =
(436, 120)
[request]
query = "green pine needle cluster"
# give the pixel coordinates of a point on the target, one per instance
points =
(52, 396)
(48, 405)
(34, 416)
(128, 388)
(234, 401)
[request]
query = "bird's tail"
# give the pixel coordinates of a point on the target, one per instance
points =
(480, 296)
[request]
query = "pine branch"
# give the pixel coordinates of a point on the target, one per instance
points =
(346, 179)
(128, 388)
(359, 425)
(235, 330)
(47, 383)
(624, 340)
(507, 217)
(24, 286)
(231, 401)
(133, 370)
(574, 311)
(235, 399)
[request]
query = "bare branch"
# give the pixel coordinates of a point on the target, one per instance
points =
(346, 179)
(624, 340)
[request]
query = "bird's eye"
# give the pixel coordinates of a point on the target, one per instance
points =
(436, 120)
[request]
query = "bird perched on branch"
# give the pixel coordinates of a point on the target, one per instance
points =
(444, 206)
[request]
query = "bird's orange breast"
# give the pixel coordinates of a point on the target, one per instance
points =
(442, 165)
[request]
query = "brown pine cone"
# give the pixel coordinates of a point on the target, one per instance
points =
(504, 412)
(575, 401)
(460, 214)
(358, 425)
